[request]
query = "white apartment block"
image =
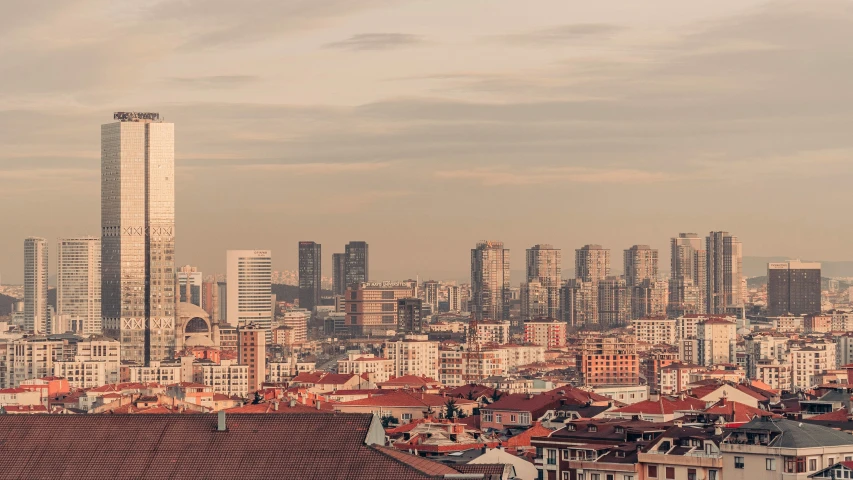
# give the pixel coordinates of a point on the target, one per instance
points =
(493, 332)
(655, 331)
(413, 355)
(360, 363)
(842, 321)
(685, 326)
(459, 367)
(28, 358)
(807, 362)
(716, 341)
(97, 362)
(774, 373)
(297, 319)
(283, 371)
(550, 334)
(788, 324)
(226, 378)
(164, 374)
(843, 350)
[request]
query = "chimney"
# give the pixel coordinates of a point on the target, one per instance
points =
(317, 403)
(292, 402)
(654, 396)
(220, 427)
(275, 406)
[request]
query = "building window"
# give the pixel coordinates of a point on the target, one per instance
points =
(609, 476)
(498, 418)
(670, 473)
(738, 462)
(770, 464)
(627, 477)
(594, 476)
(487, 416)
(565, 454)
(580, 476)
(712, 475)
(552, 456)
(691, 474)
(565, 475)
(812, 464)
(653, 471)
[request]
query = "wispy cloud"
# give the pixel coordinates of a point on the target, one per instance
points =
(563, 33)
(314, 168)
(214, 81)
(501, 176)
(376, 41)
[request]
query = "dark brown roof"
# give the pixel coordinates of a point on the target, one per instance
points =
(188, 446)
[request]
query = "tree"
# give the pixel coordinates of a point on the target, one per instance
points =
(451, 410)
(389, 420)
(258, 398)
(496, 395)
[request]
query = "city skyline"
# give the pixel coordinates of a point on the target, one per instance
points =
(605, 106)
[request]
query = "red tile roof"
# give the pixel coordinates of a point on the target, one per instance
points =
(335, 379)
(402, 398)
(25, 409)
(523, 438)
(314, 447)
(735, 411)
(664, 406)
(836, 416)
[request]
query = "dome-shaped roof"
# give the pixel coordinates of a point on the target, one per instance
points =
(189, 310)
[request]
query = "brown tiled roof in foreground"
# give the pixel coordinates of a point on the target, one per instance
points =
(304, 446)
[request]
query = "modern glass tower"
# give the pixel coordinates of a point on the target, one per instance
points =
(356, 264)
(78, 283)
(310, 274)
(138, 235)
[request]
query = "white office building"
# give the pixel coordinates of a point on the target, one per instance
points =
(36, 312)
(78, 284)
(250, 289)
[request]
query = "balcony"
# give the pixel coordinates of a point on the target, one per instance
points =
(698, 459)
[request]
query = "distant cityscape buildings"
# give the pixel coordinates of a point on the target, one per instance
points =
(249, 289)
(310, 274)
(36, 312)
(490, 294)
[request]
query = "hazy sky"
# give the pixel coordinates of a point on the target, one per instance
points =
(425, 126)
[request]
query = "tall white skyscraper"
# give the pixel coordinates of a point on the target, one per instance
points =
(78, 284)
(138, 235)
(249, 288)
(36, 313)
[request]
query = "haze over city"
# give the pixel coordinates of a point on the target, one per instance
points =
(423, 127)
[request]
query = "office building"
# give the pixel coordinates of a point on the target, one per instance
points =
(78, 284)
(222, 298)
(138, 297)
(410, 317)
(356, 264)
(190, 282)
(688, 275)
(339, 263)
(251, 351)
(250, 289)
(545, 265)
(490, 292)
(36, 311)
(371, 307)
(793, 288)
(296, 319)
(310, 275)
(725, 272)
